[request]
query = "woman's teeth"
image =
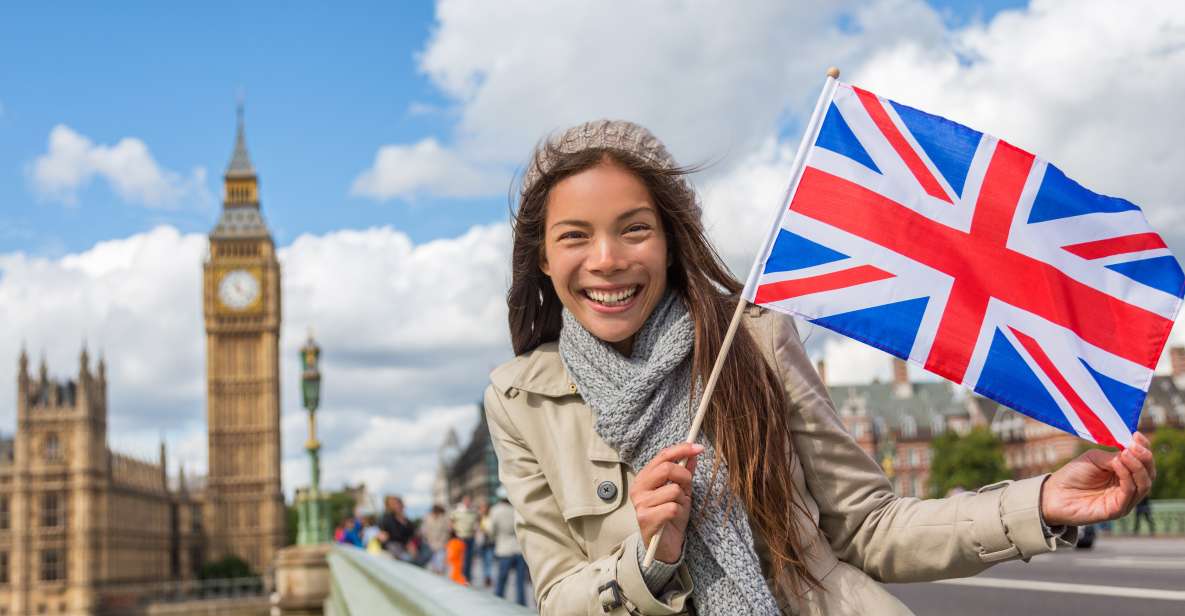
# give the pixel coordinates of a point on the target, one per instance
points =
(614, 298)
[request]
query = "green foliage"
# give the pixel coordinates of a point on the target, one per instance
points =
(341, 504)
(968, 462)
(1168, 447)
(228, 568)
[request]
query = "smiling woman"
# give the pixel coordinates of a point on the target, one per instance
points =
(618, 307)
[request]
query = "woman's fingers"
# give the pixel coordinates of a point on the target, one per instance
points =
(657, 472)
(1143, 453)
(1138, 470)
(669, 493)
(1127, 485)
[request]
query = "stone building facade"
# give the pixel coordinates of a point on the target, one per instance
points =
(79, 522)
(471, 470)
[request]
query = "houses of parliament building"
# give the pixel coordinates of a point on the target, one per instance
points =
(80, 524)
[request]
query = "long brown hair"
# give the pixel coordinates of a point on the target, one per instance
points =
(748, 420)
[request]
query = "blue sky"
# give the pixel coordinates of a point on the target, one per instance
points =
(387, 135)
(325, 87)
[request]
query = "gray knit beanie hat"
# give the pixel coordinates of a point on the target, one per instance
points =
(619, 135)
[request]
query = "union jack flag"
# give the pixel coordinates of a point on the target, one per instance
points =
(974, 259)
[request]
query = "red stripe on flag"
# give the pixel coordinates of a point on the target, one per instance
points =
(1093, 424)
(881, 118)
(1098, 249)
(778, 291)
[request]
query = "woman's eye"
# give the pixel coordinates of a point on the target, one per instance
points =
(571, 235)
(636, 228)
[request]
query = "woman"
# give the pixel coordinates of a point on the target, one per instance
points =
(618, 306)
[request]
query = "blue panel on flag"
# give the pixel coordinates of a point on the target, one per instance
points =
(890, 328)
(792, 251)
(1007, 378)
(1162, 273)
(1061, 197)
(949, 145)
(837, 136)
(1127, 400)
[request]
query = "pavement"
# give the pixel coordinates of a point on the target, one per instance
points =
(1142, 576)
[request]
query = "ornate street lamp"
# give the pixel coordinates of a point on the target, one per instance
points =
(313, 526)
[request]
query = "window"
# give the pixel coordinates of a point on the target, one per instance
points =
(53, 448)
(53, 565)
(51, 510)
(3, 567)
(4, 516)
(917, 487)
(913, 457)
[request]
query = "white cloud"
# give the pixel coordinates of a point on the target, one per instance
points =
(73, 160)
(712, 79)
(401, 171)
(409, 334)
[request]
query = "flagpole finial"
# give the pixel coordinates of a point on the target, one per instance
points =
(833, 72)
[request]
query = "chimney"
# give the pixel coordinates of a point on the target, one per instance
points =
(901, 385)
(821, 367)
(1177, 363)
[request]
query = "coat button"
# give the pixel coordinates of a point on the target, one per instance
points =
(607, 490)
(572, 387)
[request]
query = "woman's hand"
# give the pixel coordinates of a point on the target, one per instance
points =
(1099, 485)
(661, 495)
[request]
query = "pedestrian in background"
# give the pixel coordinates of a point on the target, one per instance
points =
(485, 543)
(464, 521)
(506, 550)
(398, 530)
(371, 540)
(435, 531)
(1144, 510)
(455, 556)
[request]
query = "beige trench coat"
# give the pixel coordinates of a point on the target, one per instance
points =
(579, 533)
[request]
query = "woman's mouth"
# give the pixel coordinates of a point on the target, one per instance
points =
(612, 298)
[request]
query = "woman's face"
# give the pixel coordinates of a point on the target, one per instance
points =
(605, 251)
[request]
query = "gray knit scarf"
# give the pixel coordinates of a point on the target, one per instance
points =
(642, 406)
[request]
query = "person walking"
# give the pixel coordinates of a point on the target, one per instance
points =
(617, 307)
(435, 531)
(455, 556)
(1144, 510)
(397, 530)
(464, 523)
(485, 543)
(507, 552)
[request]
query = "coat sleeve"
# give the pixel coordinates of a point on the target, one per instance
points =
(892, 538)
(566, 581)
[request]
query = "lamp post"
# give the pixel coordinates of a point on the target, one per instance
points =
(313, 526)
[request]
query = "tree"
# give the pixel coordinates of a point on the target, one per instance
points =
(1168, 447)
(229, 567)
(968, 462)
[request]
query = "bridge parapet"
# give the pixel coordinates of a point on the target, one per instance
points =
(363, 584)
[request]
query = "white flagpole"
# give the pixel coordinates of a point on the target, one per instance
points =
(808, 137)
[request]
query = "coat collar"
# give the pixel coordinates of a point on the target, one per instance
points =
(542, 372)
(539, 372)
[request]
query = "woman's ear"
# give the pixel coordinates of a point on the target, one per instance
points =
(543, 265)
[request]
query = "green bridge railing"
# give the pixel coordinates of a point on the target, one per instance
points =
(1168, 515)
(362, 584)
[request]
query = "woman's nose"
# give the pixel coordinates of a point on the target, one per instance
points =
(606, 257)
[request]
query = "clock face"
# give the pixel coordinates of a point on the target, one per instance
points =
(238, 289)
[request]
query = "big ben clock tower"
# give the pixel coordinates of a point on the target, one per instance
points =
(244, 513)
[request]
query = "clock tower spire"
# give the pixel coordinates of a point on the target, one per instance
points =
(244, 501)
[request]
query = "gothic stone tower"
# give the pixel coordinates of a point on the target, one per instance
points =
(58, 486)
(241, 300)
